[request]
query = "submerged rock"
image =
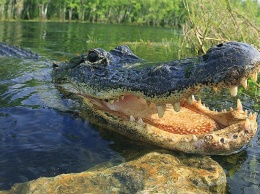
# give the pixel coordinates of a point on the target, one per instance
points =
(154, 172)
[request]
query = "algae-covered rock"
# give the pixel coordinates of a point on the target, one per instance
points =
(152, 173)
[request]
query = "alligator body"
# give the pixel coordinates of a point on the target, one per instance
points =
(154, 102)
(16, 52)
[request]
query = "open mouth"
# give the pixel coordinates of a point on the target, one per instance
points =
(191, 118)
(187, 125)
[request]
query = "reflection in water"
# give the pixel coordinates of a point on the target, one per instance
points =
(40, 132)
(63, 40)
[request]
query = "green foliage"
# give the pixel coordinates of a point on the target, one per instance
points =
(151, 12)
(211, 22)
(203, 18)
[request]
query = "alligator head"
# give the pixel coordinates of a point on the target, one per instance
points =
(154, 102)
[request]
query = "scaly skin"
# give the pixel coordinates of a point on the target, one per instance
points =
(16, 52)
(154, 102)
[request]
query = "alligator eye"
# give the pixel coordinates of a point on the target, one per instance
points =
(93, 56)
(220, 45)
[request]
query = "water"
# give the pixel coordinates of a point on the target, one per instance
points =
(41, 133)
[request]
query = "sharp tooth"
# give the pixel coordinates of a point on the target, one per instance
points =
(255, 116)
(140, 121)
(246, 112)
(199, 103)
(122, 97)
(194, 137)
(254, 76)
(215, 88)
(244, 83)
(231, 109)
(233, 90)
(117, 99)
(239, 105)
(132, 119)
(111, 101)
(190, 100)
(177, 106)
(161, 110)
(247, 124)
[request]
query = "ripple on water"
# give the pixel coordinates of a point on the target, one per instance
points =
(44, 142)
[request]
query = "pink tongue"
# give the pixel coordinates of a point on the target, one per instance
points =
(131, 105)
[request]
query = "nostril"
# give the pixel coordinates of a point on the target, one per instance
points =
(220, 45)
(55, 65)
(92, 56)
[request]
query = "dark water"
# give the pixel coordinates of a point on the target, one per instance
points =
(41, 133)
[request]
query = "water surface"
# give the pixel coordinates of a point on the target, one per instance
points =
(41, 133)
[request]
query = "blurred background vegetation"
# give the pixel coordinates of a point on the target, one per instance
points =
(171, 13)
(201, 22)
(145, 12)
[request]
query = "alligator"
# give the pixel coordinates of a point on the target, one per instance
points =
(155, 103)
(17, 52)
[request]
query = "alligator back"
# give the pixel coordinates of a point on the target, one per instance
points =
(16, 52)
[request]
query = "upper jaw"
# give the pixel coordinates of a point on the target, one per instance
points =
(157, 92)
